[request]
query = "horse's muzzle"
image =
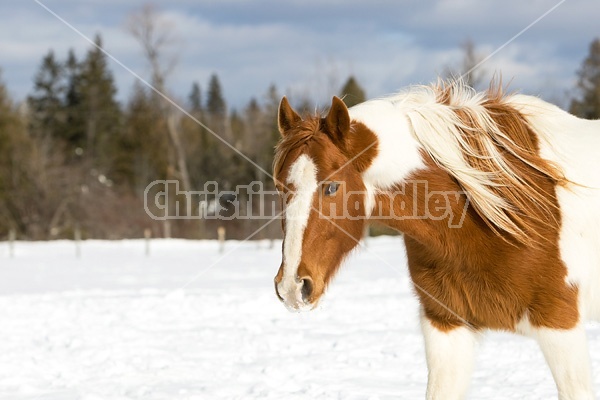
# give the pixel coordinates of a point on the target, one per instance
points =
(295, 294)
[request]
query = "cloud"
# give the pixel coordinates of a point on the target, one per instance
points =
(307, 47)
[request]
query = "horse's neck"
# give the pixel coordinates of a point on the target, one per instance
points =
(432, 209)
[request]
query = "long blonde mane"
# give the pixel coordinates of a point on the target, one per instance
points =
(490, 150)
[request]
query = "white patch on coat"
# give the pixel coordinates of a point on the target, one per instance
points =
(397, 150)
(572, 144)
(303, 176)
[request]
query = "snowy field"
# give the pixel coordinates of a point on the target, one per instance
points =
(187, 322)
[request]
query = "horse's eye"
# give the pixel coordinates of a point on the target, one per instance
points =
(331, 188)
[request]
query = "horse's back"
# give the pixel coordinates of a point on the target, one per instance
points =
(574, 145)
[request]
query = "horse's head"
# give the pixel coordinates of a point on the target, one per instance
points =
(317, 169)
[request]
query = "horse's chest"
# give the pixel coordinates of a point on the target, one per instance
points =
(496, 294)
(482, 298)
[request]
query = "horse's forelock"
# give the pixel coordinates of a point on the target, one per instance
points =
(293, 140)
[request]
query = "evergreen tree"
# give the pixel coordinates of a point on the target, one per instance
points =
(35, 185)
(195, 98)
(196, 138)
(261, 134)
(75, 120)
(18, 196)
(236, 170)
(99, 106)
(271, 128)
(352, 93)
(255, 137)
(218, 157)
(74, 128)
(144, 156)
(588, 85)
(215, 102)
(236, 122)
(45, 104)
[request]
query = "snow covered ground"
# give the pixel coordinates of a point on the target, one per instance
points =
(188, 322)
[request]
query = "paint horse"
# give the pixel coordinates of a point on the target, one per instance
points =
(498, 199)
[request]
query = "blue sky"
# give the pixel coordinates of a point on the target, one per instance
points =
(308, 48)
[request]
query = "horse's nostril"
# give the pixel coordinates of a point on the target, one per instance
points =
(277, 291)
(307, 288)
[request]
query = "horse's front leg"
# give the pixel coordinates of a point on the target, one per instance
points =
(567, 356)
(450, 356)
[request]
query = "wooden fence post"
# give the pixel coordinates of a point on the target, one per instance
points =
(221, 236)
(12, 235)
(147, 236)
(77, 237)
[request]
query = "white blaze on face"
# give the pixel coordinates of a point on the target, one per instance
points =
(303, 176)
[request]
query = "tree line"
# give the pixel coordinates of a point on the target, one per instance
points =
(72, 158)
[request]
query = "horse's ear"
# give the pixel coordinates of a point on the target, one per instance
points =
(337, 121)
(359, 144)
(288, 118)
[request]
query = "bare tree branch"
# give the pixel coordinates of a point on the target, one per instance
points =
(468, 68)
